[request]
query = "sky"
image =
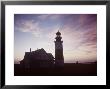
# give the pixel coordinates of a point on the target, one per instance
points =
(35, 31)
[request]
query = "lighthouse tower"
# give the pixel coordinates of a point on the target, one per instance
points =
(59, 59)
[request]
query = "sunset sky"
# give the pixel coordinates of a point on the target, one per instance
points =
(78, 31)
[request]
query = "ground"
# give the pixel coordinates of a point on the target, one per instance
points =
(69, 69)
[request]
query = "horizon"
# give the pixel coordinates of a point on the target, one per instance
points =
(78, 31)
(92, 61)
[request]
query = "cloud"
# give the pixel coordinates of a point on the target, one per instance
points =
(37, 25)
(79, 33)
(80, 37)
(50, 17)
(43, 17)
(30, 26)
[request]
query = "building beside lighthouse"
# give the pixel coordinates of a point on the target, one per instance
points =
(40, 58)
(59, 58)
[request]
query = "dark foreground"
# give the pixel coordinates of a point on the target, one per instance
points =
(69, 69)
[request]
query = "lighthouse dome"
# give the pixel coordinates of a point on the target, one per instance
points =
(58, 33)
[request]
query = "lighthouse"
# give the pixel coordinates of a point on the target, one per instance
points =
(59, 59)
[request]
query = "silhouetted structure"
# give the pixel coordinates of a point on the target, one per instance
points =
(37, 58)
(59, 59)
(40, 58)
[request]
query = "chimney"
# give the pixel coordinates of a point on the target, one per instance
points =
(30, 49)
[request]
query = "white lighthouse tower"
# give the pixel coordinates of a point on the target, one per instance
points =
(59, 58)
